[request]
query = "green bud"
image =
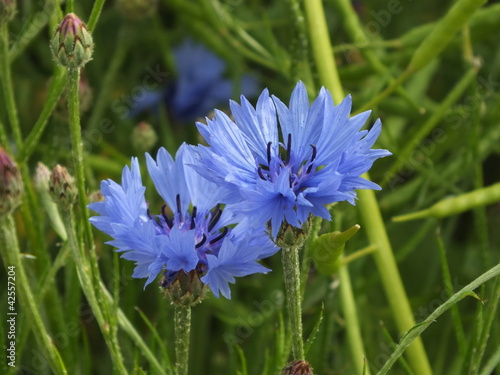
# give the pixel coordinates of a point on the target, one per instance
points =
(327, 249)
(11, 184)
(289, 235)
(72, 44)
(144, 138)
(7, 11)
(187, 289)
(297, 368)
(137, 9)
(62, 187)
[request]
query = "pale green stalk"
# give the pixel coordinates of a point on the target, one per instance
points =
(351, 319)
(291, 274)
(11, 256)
(8, 91)
(182, 332)
(84, 272)
(368, 206)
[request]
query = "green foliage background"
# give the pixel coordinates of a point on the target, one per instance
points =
(442, 123)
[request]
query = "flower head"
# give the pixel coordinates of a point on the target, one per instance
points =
(200, 84)
(62, 187)
(190, 234)
(72, 44)
(7, 11)
(278, 163)
(11, 184)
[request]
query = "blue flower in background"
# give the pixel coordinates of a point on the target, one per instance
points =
(315, 158)
(190, 234)
(200, 85)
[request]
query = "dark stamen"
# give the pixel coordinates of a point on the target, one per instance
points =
(215, 217)
(178, 201)
(220, 236)
(288, 148)
(200, 244)
(149, 214)
(269, 152)
(313, 156)
(193, 216)
(165, 217)
(261, 174)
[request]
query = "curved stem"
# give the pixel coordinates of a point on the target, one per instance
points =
(182, 332)
(11, 257)
(7, 88)
(291, 274)
(368, 205)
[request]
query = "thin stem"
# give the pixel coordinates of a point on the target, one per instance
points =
(182, 333)
(352, 323)
(85, 277)
(389, 273)
(7, 87)
(94, 15)
(11, 257)
(54, 93)
(291, 274)
(368, 205)
(322, 48)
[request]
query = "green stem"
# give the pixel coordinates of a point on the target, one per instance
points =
(11, 257)
(322, 48)
(84, 272)
(391, 279)
(182, 333)
(291, 274)
(94, 15)
(352, 323)
(5, 73)
(54, 93)
(368, 205)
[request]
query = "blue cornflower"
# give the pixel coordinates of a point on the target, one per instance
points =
(191, 233)
(199, 86)
(284, 173)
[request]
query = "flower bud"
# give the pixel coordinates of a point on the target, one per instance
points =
(42, 177)
(143, 138)
(62, 187)
(186, 289)
(72, 44)
(7, 11)
(136, 9)
(289, 235)
(42, 185)
(297, 368)
(11, 184)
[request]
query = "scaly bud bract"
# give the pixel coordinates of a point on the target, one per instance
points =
(11, 184)
(62, 187)
(72, 44)
(7, 11)
(297, 368)
(144, 138)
